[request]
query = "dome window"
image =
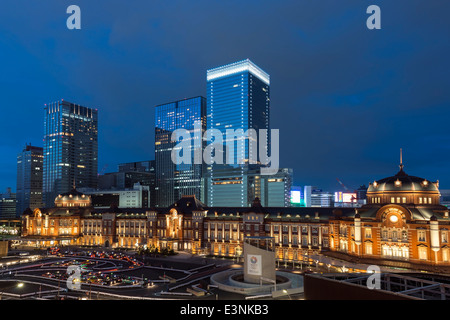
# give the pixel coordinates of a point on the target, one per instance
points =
(425, 183)
(393, 218)
(398, 183)
(375, 184)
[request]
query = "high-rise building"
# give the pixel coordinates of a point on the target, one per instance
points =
(136, 197)
(125, 180)
(8, 205)
(315, 197)
(238, 97)
(70, 149)
(175, 180)
(139, 166)
(143, 172)
(276, 189)
(29, 178)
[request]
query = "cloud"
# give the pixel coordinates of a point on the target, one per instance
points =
(346, 98)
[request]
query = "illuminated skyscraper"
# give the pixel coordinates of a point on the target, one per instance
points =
(8, 205)
(29, 178)
(175, 180)
(70, 149)
(238, 97)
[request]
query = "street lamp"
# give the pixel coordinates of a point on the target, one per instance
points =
(19, 285)
(286, 292)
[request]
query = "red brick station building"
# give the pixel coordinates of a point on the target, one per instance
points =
(402, 223)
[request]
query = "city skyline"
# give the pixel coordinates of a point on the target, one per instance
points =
(222, 156)
(342, 113)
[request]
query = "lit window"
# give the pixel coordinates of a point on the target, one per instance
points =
(444, 236)
(445, 254)
(422, 253)
(404, 235)
(368, 248)
(421, 235)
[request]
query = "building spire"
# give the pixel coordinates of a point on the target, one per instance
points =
(401, 160)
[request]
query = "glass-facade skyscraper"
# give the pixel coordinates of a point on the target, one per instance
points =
(8, 205)
(29, 178)
(238, 97)
(175, 180)
(70, 149)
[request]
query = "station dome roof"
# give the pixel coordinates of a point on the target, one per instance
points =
(403, 182)
(74, 197)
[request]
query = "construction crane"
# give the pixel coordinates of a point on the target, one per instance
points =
(342, 184)
(353, 199)
(103, 170)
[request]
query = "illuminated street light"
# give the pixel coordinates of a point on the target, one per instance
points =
(19, 285)
(286, 292)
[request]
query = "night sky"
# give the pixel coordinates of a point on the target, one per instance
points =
(345, 98)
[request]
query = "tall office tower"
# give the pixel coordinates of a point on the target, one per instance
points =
(175, 180)
(70, 149)
(8, 205)
(29, 178)
(238, 97)
(276, 189)
(129, 174)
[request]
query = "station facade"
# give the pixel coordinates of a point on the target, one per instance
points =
(402, 221)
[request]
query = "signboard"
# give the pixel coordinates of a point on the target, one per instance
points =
(345, 197)
(254, 264)
(295, 197)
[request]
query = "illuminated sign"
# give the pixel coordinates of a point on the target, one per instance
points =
(344, 197)
(295, 196)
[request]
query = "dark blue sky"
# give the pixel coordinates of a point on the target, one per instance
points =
(345, 98)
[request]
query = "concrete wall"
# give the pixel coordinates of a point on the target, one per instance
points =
(264, 265)
(321, 288)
